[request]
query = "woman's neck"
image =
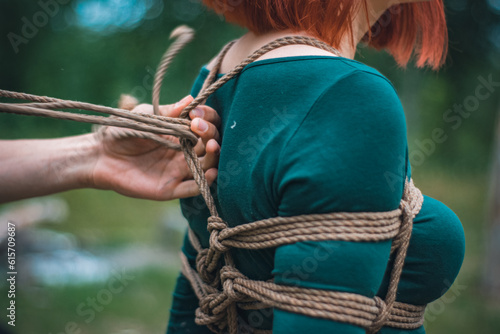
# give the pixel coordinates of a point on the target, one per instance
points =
(251, 42)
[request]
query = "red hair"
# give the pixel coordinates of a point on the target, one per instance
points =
(404, 29)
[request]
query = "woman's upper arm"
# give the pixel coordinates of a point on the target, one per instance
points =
(347, 152)
(337, 161)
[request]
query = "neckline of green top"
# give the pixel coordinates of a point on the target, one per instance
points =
(285, 60)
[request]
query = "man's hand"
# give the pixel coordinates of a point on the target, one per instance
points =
(145, 169)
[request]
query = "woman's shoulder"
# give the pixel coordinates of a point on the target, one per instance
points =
(325, 77)
(319, 73)
(360, 77)
(356, 127)
(361, 96)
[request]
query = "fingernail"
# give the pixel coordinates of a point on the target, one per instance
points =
(197, 112)
(202, 125)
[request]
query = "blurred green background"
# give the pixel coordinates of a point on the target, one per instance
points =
(95, 50)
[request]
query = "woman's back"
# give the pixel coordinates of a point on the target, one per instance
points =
(319, 134)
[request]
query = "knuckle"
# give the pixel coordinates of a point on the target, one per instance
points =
(210, 113)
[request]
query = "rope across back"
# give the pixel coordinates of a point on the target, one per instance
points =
(219, 286)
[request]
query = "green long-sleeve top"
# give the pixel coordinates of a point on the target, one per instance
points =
(317, 134)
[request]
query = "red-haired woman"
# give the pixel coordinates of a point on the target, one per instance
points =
(304, 131)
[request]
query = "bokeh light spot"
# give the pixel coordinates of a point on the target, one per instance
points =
(108, 16)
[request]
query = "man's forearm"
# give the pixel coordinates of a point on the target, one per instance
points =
(30, 168)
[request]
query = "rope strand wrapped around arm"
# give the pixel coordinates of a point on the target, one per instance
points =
(236, 289)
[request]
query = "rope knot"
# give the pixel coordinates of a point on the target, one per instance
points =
(405, 227)
(406, 220)
(215, 226)
(410, 206)
(205, 315)
(382, 315)
(216, 223)
(215, 308)
(412, 197)
(230, 273)
(201, 267)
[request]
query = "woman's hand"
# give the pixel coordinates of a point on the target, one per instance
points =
(145, 169)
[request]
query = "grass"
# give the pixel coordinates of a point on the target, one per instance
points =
(106, 218)
(103, 222)
(141, 307)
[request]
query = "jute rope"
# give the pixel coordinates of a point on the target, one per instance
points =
(236, 289)
(220, 287)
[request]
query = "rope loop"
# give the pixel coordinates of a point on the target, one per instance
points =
(382, 316)
(228, 275)
(407, 215)
(216, 308)
(201, 266)
(405, 229)
(215, 226)
(205, 316)
(215, 223)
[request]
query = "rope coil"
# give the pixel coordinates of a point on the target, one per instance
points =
(219, 286)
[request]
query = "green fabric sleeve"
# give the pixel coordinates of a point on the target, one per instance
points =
(340, 156)
(336, 162)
